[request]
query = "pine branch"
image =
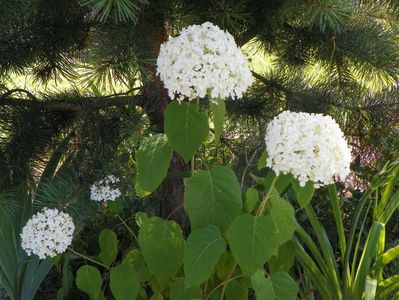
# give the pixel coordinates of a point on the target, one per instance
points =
(89, 103)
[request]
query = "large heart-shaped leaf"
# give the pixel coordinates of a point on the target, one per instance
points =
(251, 199)
(153, 158)
(124, 282)
(203, 250)
(178, 290)
(279, 287)
(88, 279)
(253, 241)
(213, 197)
(136, 260)
(185, 127)
(162, 246)
(262, 286)
(108, 245)
(285, 288)
(283, 216)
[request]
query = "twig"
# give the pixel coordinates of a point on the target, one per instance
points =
(88, 258)
(247, 166)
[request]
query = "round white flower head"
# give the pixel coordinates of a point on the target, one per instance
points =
(309, 146)
(48, 233)
(203, 59)
(105, 189)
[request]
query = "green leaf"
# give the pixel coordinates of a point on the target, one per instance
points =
(108, 245)
(258, 180)
(153, 159)
(203, 250)
(262, 161)
(124, 282)
(387, 287)
(178, 291)
(283, 182)
(284, 260)
(88, 279)
(162, 246)
(368, 254)
(251, 199)
(218, 108)
(279, 287)
(237, 290)
(263, 287)
(253, 241)
(224, 266)
(285, 288)
(141, 193)
(283, 216)
(140, 218)
(304, 194)
(213, 197)
(136, 259)
(185, 127)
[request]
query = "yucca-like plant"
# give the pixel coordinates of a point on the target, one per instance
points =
(356, 272)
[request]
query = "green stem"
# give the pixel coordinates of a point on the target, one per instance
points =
(89, 259)
(262, 206)
(221, 284)
(226, 282)
(192, 165)
(127, 227)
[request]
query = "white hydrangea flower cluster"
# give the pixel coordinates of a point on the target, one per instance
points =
(309, 146)
(48, 233)
(203, 59)
(105, 189)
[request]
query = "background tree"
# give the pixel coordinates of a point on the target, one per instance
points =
(330, 56)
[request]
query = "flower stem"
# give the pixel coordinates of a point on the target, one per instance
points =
(88, 258)
(127, 227)
(226, 282)
(262, 206)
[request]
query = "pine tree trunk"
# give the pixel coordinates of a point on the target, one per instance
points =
(154, 101)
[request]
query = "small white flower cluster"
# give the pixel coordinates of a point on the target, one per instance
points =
(105, 189)
(203, 59)
(309, 146)
(47, 233)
